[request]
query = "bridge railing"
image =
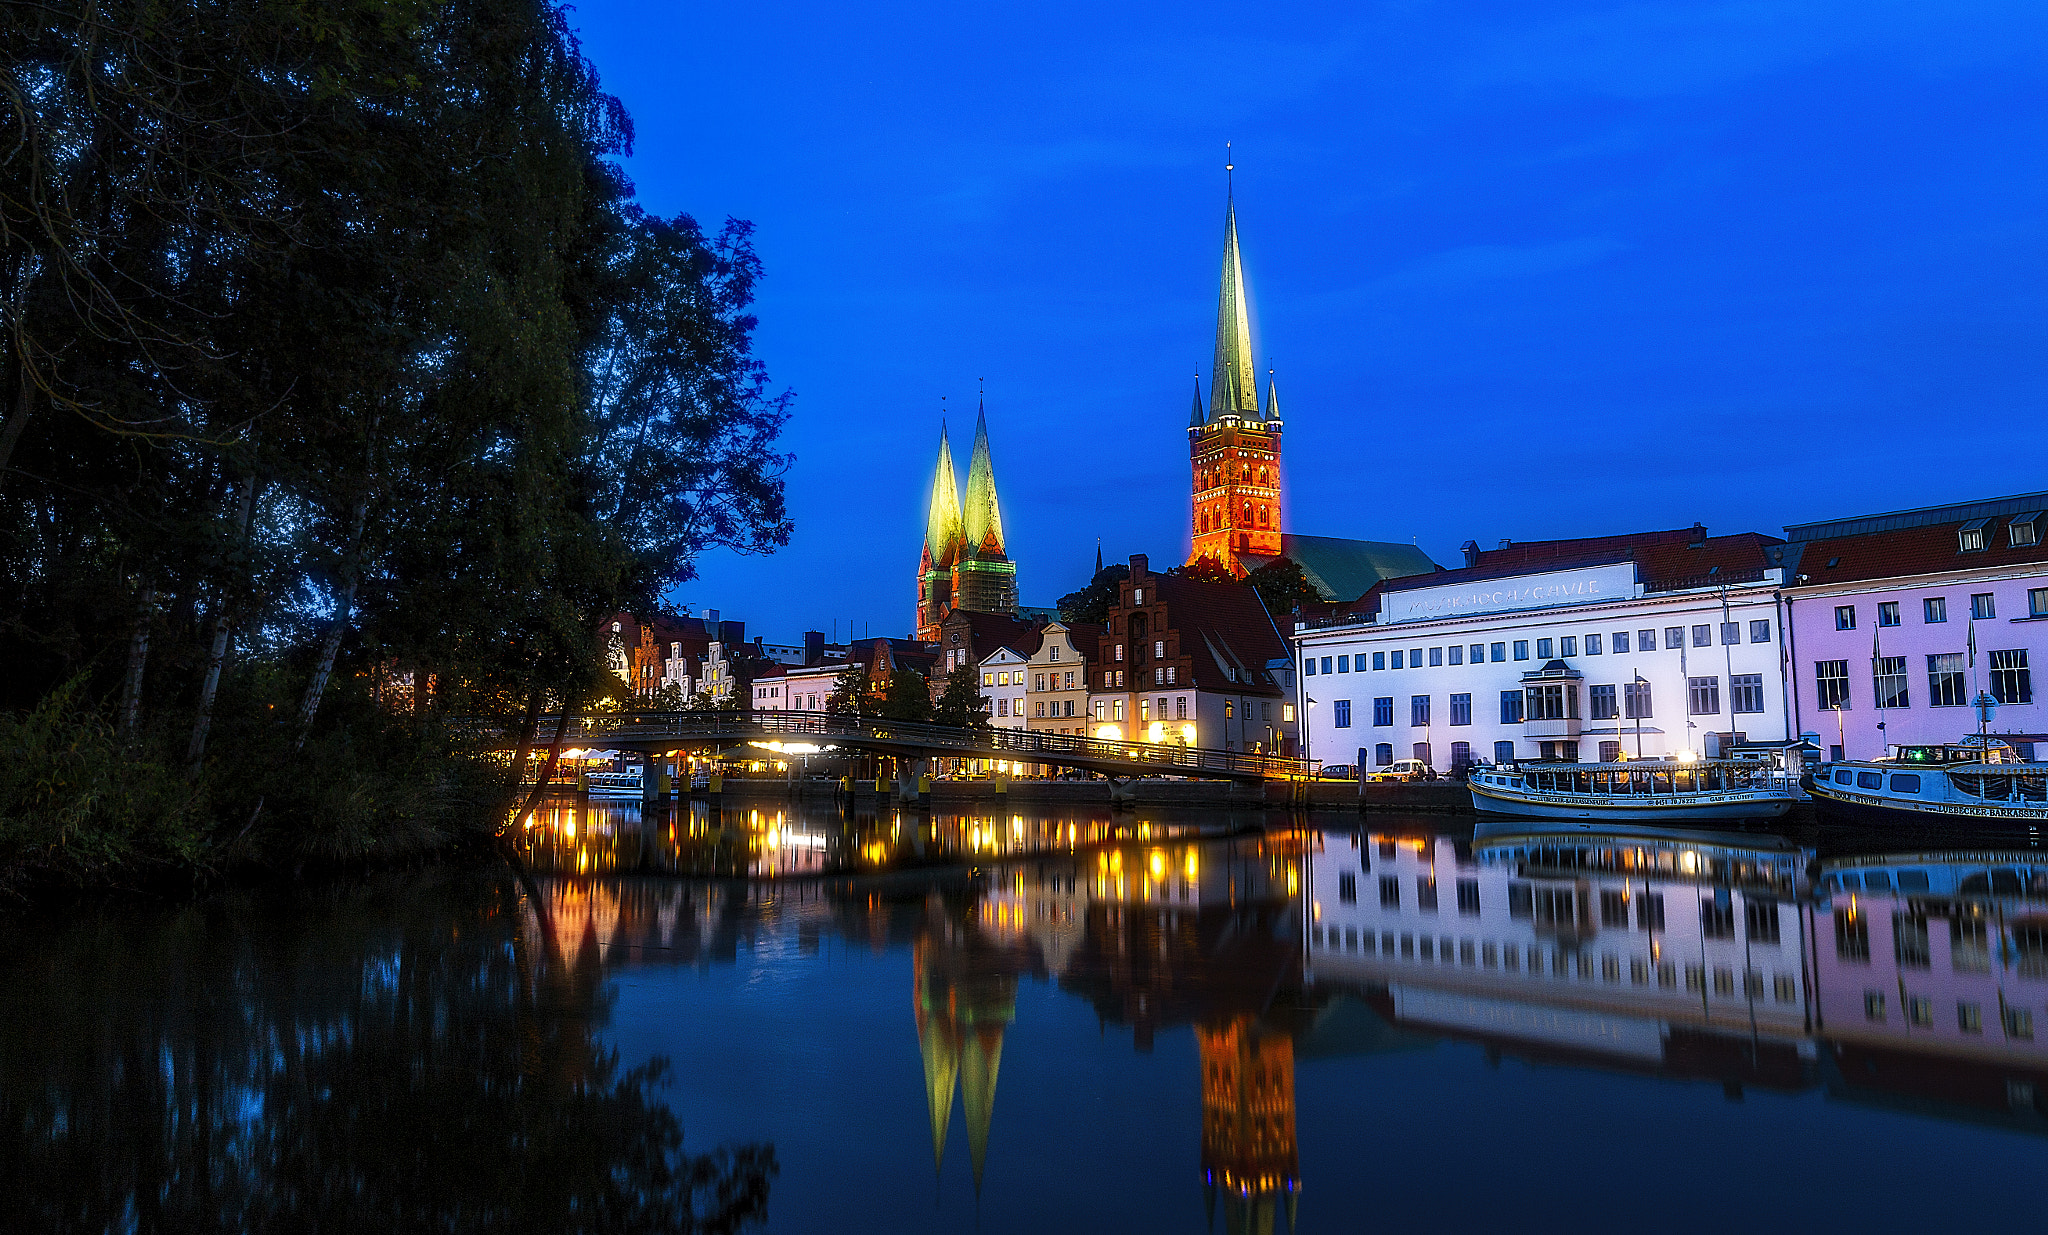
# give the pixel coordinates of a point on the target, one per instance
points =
(1019, 744)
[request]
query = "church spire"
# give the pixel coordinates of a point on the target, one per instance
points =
(1195, 418)
(942, 520)
(1272, 397)
(981, 518)
(1233, 390)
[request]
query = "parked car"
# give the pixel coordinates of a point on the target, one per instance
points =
(1405, 769)
(1339, 771)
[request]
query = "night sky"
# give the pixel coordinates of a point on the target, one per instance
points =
(1524, 270)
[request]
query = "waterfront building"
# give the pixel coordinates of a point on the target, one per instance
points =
(1059, 669)
(1187, 662)
(1640, 646)
(1003, 674)
(963, 564)
(1234, 455)
(966, 638)
(883, 655)
(780, 688)
(1899, 621)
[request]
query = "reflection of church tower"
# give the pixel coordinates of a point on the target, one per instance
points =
(965, 564)
(1234, 448)
(1248, 1148)
(962, 1010)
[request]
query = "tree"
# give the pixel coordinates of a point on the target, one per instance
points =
(1092, 603)
(847, 689)
(1282, 585)
(908, 697)
(1205, 569)
(960, 702)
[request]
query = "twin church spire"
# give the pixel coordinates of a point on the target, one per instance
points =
(965, 564)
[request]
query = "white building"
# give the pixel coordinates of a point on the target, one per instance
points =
(797, 690)
(1642, 646)
(1003, 676)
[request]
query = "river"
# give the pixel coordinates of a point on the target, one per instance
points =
(700, 1019)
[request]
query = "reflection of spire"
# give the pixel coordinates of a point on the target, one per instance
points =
(981, 518)
(941, 1071)
(984, 1058)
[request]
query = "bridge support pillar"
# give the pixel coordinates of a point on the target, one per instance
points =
(1121, 795)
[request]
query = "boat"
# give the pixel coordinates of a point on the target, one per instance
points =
(1640, 790)
(624, 784)
(1975, 781)
(2012, 876)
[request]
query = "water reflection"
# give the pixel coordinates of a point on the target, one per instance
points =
(400, 1055)
(768, 838)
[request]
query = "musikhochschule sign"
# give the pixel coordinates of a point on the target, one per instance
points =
(1548, 590)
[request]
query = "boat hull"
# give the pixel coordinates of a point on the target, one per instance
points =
(1845, 806)
(1688, 808)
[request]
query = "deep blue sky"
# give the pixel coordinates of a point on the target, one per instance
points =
(1525, 270)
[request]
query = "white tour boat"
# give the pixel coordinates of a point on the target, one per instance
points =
(1640, 790)
(626, 784)
(1975, 781)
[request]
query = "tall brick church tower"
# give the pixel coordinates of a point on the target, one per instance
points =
(1233, 447)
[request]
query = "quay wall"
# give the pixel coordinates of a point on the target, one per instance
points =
(1418, 797)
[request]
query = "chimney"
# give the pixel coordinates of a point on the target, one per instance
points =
(1471, 551)
(1138, 567)
(1697, 535)
(814, 646)
(711, 621)
(1505, 543)
(733, 632)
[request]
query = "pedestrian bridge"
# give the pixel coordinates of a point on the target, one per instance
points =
(654, 732)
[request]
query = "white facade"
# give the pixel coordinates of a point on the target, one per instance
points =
(797, 690)
(1003, 676)
(1549, 664)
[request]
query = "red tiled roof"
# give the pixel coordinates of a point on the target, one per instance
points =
(1899, 552)
(1222, 624)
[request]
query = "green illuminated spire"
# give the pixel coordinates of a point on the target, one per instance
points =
(942, 523)
(981, 518)
(1233, 390)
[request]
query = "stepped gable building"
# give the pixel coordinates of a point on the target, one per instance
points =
(1234, 457)
(1188, 662)
(964, 564)
(1900, 621)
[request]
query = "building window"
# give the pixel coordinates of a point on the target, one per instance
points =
(1461, 708)
(1600, 703)
(1055, 652)
(1180, 708)
(1099, 705)
(1343, 713)
(1970, 539)
(1831, 685)
(1002, 707)
(2037, 602)
(1610, 752)
(1457, 651)
(988, 679)
(1379, 660)
(1425, 893)
(1390, 891)
(1702, 636)
(1969, 1016)
(1159, 647)
(1945, 685)
(1635, 700)
(1503, 752)
(1117, 653)
(1845, 617)
(1592, 645)
(1746, 692)
(1418, 710)
(1040, 710)
(1436, 655)
(1383, 754)
(1343, 664)
(2019, 1022)
(1500, 651)
(2011, 682)
(1415, 658)
(1422, 757)
(1888, 613)
(1873, 1005)
(1347, 889)
(1461, 757)
(1398, 656)
(1888, 676)
(1521, 649)
(1568, 646)
(1646, 641)
(1547, 702)
(1468, 897)
(1230, 709)
(1674, 636)
(1383, 711)
(1308, 667)
(1760, 631)
(1116, 710)
(1731, 632)
(1478, 653)
(1511, 707)
(1543, 649)
(1703, 696)
(1934, 609)
(1982, 607)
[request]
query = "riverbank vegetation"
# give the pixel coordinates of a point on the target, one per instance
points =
(346, 388)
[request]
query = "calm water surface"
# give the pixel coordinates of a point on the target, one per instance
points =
(1052, 1021)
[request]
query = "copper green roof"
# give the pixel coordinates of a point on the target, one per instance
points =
(1233, 391)
(1344, 570)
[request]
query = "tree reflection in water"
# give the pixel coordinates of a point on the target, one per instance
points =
(409, 1054)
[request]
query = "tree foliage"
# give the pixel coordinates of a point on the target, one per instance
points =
(959, 703)
(336, 349)
(1282, 585)
(1092, 603)
(907, 697)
